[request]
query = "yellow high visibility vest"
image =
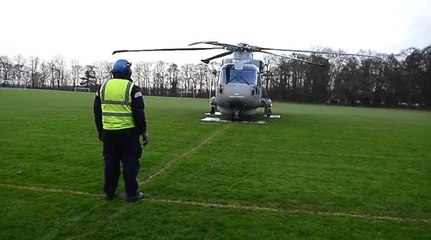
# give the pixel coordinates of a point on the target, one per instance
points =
(116, 104)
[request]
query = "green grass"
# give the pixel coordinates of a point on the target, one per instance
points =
(319, 172)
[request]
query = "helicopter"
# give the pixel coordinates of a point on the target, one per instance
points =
(239, 92)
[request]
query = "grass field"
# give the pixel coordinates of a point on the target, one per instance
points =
(319, 172)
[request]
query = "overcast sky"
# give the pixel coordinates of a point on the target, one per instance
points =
(89, 31)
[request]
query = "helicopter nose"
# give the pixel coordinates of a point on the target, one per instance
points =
(237, 95)
(237, 91)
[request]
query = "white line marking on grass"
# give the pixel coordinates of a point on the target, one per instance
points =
(343, 155)
(53, 190)
(230, 205)
(185, 154)
(291, 211)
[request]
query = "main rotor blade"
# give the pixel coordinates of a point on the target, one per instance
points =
(318, 52)
(165, 49)
(216, 56)
(214, 43)
(295, 59)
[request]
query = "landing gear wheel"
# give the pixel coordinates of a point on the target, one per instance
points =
(213, 110)
(268, 112)
(236, 115)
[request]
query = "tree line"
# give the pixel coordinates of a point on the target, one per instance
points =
(390, 80)
(402, 79)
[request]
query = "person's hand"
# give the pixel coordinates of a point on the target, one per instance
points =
(100, 136)
(144, 139)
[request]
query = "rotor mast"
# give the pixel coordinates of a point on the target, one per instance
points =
(243, 55)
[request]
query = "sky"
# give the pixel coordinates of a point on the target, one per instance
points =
(88, 31)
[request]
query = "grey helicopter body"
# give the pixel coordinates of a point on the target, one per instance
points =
(239, 88)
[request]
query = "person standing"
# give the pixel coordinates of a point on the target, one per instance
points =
(120, 120)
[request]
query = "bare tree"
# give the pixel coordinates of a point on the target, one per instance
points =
(18, 70)
(103, 72)
(159, 74)
(45, 73)
(59, 67)
(34, 75)
(173, 79)
(186, 76)
(268, 74)
(200, 78)
(5, 69)
(142, 76)
(54, 73)
(76, 72)
(138, 74)
(146, 73)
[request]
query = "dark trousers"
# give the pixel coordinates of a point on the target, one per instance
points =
(126, 154)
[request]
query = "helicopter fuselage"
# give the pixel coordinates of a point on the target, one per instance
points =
(239, 98)
(239, 90)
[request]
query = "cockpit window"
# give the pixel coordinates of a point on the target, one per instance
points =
(248, 75)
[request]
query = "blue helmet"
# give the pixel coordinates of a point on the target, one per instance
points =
(122, 66)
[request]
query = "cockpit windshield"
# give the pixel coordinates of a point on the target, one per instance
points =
(248, 74)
